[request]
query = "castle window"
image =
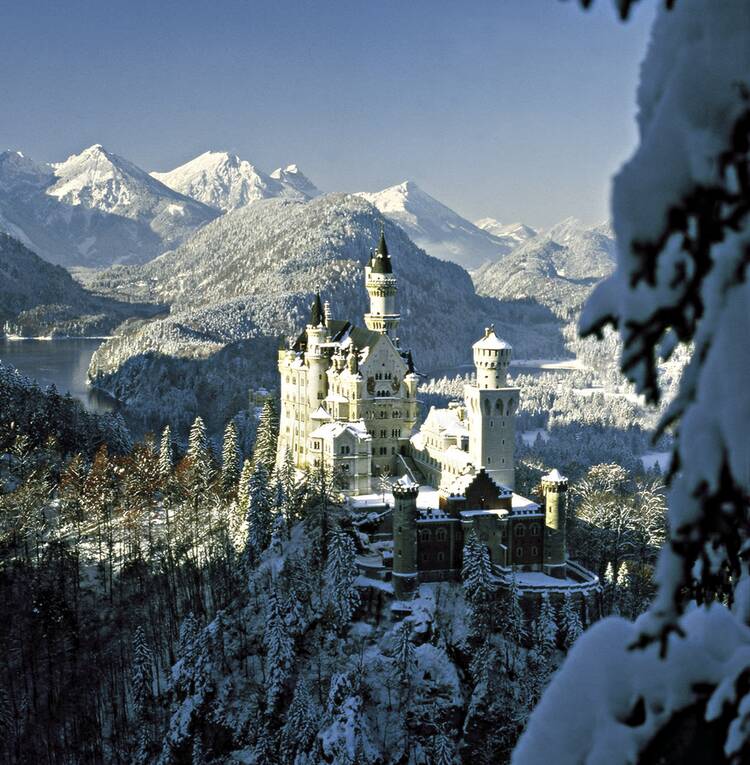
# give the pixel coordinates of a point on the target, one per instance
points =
(489, 459)
(520, 531)
(534, 529)
(519, 552)
(383, 450)
(383, 433)
(534, 551)
(440, 557)
(441, 535)
(424, 535)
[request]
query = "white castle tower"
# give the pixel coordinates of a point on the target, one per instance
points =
(381, 286)
(491, 408)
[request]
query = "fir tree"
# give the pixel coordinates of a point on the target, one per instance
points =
(301, 727)
(512, 623)
(443, 750)
(571, 622)
(546, 628)
(279, 649)
(166, 453)
(340, 575)
(404, 660)
(199, 456)
(479, 586)
(259, 517)
(267, 437)
(243, 488)
(141, 676)
(230, 458)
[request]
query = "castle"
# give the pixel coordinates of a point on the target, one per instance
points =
(349, 405)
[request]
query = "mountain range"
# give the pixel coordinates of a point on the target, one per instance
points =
(93, 209)
(96, 208)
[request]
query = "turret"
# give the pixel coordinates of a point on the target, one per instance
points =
(491, 359)
(381, 285)
(405, 578)
(555, 493)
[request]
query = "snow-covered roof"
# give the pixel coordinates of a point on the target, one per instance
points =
(320, 414)
(554, 476)
(523, 506)
(335, 429)
(446, 422)
(492, 341)
(337, 398)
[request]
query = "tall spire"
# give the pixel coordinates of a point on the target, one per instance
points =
(381, 260)
(317, 316)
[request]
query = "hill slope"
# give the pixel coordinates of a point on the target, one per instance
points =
(38, 298)
(557, 269)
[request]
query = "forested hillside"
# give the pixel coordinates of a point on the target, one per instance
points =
(181, 606)
(37, 298)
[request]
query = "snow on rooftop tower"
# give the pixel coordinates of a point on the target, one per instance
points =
(491, 359)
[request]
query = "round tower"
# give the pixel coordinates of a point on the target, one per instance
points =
(405, 577)
(491, 410)
(491, 359)
(315, 359)
(381, 286)
(555, 493)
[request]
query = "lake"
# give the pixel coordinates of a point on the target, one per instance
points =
(61, 362)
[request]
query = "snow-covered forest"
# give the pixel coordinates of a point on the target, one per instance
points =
(194, 605)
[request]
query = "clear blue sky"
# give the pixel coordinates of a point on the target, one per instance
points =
(518, 109)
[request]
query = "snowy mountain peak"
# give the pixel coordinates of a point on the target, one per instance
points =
(293, 178)
(441, 231)
(101, 180)
(225, 182)
(518, 232)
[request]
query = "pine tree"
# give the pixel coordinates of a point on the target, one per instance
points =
(141, 676)
(166, 454)
(259, 517)
(340, 575)
(479, 586)
(443, 750)
(571, 622)
(608, 596)
(404, 660)
(512, 623)
(230, 458)
(287, 476)
(199, 456)
(301, 727)
(279, 649)
(243, 488)
(546, 628)
(267, 437)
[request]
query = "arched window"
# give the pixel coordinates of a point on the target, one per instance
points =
(487, 407)
(519, 552)
(441, 535)
(520, 531)
(440, 557)
(534, 529)
(424, 535)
